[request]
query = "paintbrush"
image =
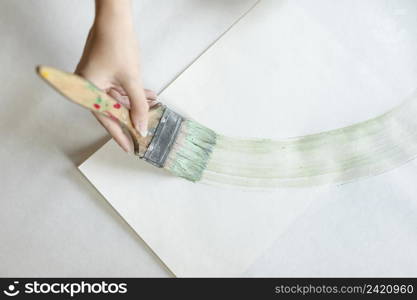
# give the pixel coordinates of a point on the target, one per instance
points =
(177, 144)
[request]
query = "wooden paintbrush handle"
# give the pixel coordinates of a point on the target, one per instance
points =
(86, 94)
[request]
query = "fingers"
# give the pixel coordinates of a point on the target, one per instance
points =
(115, 94)
(138, 106)
(119, 94)
(151, 95)
(152, 103)
(114, 129)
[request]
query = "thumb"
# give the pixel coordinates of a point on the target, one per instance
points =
(138, 106)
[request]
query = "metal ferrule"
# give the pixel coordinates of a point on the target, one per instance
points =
(163, 138)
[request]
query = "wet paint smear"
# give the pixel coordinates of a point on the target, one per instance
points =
(361, 150)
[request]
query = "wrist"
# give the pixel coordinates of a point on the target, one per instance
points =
(113, 13)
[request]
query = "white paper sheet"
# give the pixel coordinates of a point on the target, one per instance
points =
(288, 68)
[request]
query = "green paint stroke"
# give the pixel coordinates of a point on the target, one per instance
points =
(191, 151)
(364, 149)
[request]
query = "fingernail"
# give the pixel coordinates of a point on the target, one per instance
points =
(153, 103)
(127, 150)
(142, 129)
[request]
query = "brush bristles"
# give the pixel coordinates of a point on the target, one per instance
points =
(191, 151)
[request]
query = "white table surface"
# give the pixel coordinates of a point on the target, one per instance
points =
(53, 222)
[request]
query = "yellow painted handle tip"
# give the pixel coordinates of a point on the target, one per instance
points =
(42, 71)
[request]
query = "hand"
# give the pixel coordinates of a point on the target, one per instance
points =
(111, 61)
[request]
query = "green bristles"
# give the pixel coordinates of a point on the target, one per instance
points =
(191, 151)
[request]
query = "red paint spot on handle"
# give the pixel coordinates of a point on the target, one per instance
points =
(117, 105)
(96, 106)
